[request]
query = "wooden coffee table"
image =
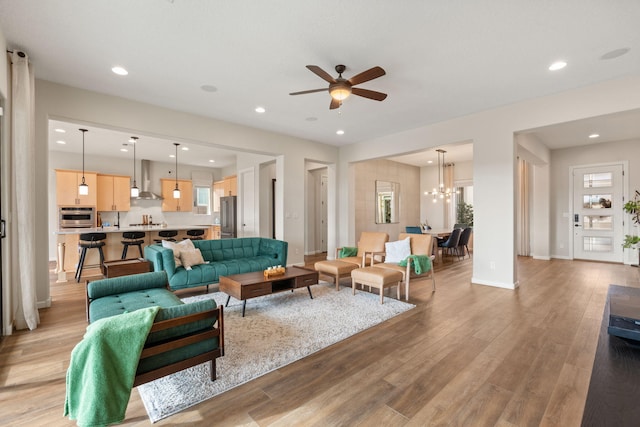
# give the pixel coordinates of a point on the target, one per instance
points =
(250, 285)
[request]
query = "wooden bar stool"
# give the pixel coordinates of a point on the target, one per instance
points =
(194, 234)
(166, 235)
(89, 241)
(132, 238)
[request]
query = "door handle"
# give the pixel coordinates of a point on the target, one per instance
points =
(3, 229)
(577, 225)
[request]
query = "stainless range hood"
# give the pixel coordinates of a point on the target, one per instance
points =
(145, 171)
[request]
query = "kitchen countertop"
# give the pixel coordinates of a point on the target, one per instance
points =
(129, 228)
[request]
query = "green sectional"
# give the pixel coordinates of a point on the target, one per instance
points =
(222, 257)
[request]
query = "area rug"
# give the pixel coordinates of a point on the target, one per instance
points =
(276, 330)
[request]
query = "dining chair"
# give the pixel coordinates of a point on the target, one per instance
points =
(463, 243)
(452, 242)
(413, 229)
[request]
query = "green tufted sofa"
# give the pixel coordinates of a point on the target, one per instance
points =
(183, 335)
(224, 256)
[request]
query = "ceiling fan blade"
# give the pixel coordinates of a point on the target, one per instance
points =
(334, 104)
(365, 76)
(321, 73)
(371, 94)
(309, 91)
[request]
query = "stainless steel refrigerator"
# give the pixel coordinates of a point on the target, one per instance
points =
(228, 227)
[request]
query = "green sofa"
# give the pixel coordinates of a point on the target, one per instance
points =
(223, 257)
(183, 335)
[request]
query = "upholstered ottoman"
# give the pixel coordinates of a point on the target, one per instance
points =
(376, 277)
(335, 268)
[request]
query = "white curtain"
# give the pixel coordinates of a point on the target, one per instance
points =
(22, 146)
(524, 246)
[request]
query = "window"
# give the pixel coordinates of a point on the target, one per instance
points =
(203, 200)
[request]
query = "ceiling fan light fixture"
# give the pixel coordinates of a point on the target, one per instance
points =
(340, 91)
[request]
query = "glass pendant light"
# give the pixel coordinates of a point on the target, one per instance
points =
(83, 188)
(135, 191)
(176, 191)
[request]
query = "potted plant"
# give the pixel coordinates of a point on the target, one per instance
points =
(632, 207)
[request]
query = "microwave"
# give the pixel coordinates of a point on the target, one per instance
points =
(76, 217)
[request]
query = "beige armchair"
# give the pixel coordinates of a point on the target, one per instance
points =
(421, 244)
(370, 246)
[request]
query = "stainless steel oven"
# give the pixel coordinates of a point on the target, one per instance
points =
(76, 217)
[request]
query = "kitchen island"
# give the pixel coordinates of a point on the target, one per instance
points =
(67, 244)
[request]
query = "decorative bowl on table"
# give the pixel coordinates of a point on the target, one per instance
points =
(274, 271)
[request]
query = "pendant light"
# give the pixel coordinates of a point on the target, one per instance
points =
(135, 191)
(176, 191)
(83, 188)
(440, 192)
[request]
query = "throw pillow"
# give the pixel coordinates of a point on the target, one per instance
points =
(178, 247)
(397, 251)
(191, 258)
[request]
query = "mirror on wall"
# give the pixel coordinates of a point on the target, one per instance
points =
(387, 202)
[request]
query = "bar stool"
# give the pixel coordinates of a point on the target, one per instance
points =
(194, 234)
(166, 235)
(132, 238)
(89, 241)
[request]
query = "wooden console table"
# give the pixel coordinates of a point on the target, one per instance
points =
(614, 391)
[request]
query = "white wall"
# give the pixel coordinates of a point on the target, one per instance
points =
(492, 133)
(561, 161)
(54, 101)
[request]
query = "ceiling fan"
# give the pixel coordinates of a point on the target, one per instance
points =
(340, 88)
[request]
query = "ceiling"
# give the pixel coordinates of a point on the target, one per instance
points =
(442, 59)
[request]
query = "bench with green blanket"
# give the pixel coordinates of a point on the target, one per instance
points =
(180, 336)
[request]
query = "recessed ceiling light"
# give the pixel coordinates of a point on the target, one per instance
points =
(61, 142)
(208, 88)
(429, 161)
(185, 148)
(124, 150)
(172, 155)
(120, 71)
(558, 65)
(340, 132)
(594, 135)
(212, 161)
(260, 110)
(61, 130)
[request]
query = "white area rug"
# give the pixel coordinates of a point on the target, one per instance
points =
(276, 330)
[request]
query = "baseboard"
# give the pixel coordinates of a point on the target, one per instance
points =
(44, 304)
(542, 258)
(562, 257)
(511, 286)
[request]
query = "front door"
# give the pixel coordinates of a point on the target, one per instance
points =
(597, 213)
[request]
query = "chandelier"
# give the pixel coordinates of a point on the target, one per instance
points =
(441, 192)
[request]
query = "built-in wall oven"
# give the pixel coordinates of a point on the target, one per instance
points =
(77, 217)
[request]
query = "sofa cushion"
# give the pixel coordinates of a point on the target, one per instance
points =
(111, 305)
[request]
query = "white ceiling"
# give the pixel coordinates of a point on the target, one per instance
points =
(442, 59)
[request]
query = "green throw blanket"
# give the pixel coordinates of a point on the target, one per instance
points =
(421, 263)
(103, 367)
(347, 251)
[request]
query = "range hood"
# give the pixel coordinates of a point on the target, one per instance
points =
(145, 171)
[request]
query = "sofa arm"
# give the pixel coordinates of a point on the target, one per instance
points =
(277, 249)
(123, 284)
(162, 259)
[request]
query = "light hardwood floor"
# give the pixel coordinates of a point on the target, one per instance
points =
(466, 355)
